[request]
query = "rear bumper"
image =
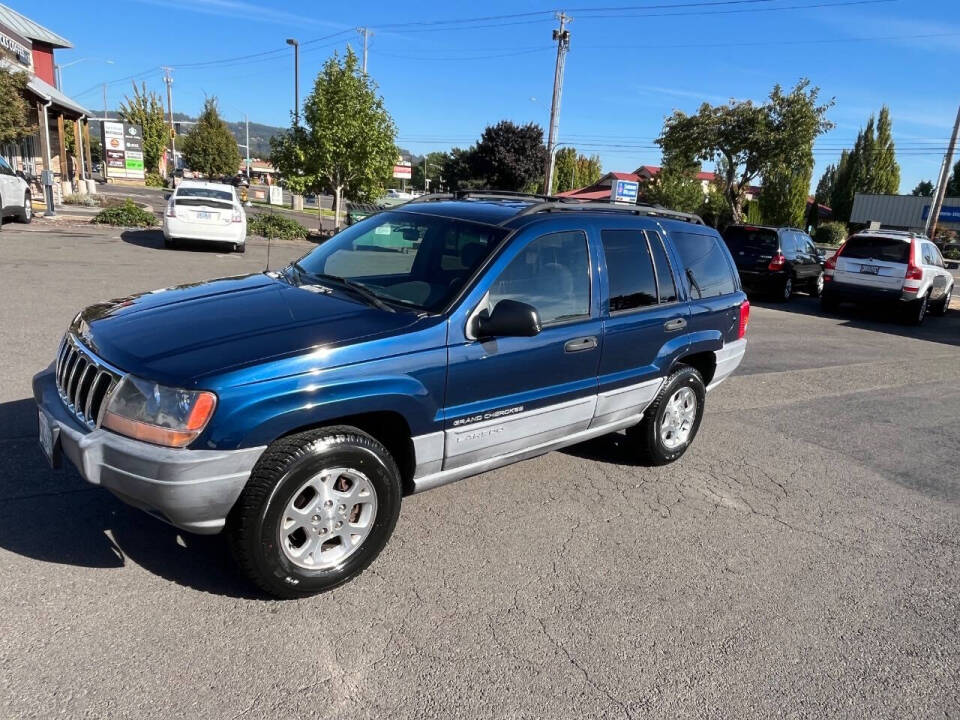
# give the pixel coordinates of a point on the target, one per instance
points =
(848, 292)
(191, 489)
(174, 229)
(762, 280)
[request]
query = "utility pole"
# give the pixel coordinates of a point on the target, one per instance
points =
(562, 38)
(366, 36)
(931, 226)
(246, 120)
(173, 134)
(296, 80)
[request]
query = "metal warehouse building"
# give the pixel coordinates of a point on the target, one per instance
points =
(903, 212)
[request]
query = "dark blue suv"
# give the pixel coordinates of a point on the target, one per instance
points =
(424, 344)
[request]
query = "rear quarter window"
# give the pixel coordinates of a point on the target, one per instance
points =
(877, 248)
(707, 270)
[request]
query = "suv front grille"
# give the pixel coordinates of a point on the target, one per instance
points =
(83, 380)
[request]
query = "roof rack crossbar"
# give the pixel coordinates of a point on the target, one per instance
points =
(647, 210)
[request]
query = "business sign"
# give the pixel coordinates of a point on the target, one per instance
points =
(403, 171)
(123, 144)
(948, 213)
(624, 191)
(15, 46)
(276, 195)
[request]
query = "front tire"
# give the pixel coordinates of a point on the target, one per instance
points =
(672, 420)
(26, 210)
(816, 287)
(317, 510)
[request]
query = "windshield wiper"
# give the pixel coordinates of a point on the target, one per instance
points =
(358, 288)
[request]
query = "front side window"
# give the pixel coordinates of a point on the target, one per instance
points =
(419, 261)
(552, 273)
(629, 269)
(705, 265)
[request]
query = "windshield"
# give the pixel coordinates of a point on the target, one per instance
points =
(207, 193)
(751, 239)
(418, 261)
(877, 248)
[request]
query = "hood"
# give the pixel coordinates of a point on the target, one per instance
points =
(177, 335)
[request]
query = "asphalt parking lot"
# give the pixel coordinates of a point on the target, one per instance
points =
(801, 560)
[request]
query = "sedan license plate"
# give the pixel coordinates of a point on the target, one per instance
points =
(870, 269)
(204, 215)
(49, 439)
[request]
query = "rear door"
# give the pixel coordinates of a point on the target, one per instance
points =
(873, 261)
(752, 248)
(644, 321)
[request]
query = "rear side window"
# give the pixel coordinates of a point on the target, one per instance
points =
(665, 283)
(705, 265)
(629, 269)
(751, 240)
(877, 248)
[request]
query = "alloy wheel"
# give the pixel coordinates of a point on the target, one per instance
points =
(787, 289)
(679, 415)
(328, 518)
(27, 207)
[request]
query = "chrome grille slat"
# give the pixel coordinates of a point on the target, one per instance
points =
(83, 381)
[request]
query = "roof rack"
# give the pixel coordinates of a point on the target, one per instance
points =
(555, 205)
(489, 194)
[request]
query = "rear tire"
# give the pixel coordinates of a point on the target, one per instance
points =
(786, 290)
(816, 287)
(670, 424)
(916, 312)
(169, 243)
(240, 248)
(284, 530)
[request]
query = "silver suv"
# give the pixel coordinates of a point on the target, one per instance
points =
(901, 267)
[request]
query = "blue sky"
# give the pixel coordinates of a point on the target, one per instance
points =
(627, 68)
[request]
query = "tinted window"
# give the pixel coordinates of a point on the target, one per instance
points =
(5, 169)
(411, 259)
(750, 239)
(552, 273)
(877, 248)
(629, 269)
(207, 193)
(705, 263)
(668, 288)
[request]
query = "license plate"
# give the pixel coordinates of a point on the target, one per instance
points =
(49, 439)
(203, 215)
(870, 269)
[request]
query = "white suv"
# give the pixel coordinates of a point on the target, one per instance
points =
(891, 265)
(14, 195)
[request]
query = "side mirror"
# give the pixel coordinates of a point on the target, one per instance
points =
(510, 318)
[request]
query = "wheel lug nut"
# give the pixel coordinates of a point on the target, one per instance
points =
(323, 531)
(316, 518)
(343, 508)
(328, 503)
(339, 524)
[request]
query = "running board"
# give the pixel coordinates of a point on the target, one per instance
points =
(444, 477)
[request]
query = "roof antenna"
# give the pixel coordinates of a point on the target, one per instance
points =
(267, 269)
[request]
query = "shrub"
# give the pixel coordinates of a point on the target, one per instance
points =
(276, 226)
(831, 233)
(153, 179)
(952, 253)
(126, 215)
(85, 200)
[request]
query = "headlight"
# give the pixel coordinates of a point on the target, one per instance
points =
(156, 414)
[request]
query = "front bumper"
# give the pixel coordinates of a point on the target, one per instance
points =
(191, 489)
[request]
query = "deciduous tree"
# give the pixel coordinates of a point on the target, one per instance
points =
(210, 147)
(924, 188)
(746, 138)
(14, 109)
(565, 170)
(510, 156)
(146, 110)
(346, 144)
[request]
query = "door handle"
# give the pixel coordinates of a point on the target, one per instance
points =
(675, 324)
(580, 344)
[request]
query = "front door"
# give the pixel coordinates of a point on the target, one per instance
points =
(509, 394)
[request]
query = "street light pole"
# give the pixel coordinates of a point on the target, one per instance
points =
(296, 79)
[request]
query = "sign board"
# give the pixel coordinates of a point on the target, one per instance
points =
(15, 46)
(624, 191)
(276, 195)
(948, 213)
(403, 171)
(123, 145)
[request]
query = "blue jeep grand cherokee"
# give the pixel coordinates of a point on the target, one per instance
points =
(425, 344)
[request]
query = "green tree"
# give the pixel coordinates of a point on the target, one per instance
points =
(346, 144)
(459, 169)
(953, 185)
(435, 162)
(886, 170)
(14, 109)
(924, 188)
(747, 139)
(146, 110)
(841, 197)
(210, 147)
(783, 199)
(676, 186)
(510, 156)
(826, 184)
(589, 170)
(565, 170)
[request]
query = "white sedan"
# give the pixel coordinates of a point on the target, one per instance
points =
(206, 211)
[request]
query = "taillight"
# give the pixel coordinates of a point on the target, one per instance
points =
(831, 263)
(236, 215)
(913, 272)
(744, 319)
(777, 262)
(171, 210)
